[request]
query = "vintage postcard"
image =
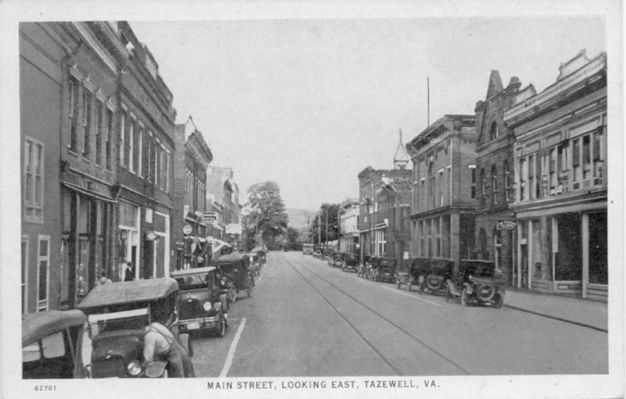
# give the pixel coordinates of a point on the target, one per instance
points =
(268, 199)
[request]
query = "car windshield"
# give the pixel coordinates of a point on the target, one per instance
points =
(194, 281)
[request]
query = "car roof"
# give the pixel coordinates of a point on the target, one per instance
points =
(38, 325)
(192, 271)
(229, 258)
(129, 291)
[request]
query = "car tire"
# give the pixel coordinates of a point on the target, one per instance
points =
(221, 330)
(464, 297)
(499, 301)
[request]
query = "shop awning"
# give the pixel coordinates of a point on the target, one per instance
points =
(88, 193)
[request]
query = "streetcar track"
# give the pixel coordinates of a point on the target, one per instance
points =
(407, 333)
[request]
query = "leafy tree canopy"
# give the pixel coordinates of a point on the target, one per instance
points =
(325, 223)
(266, 218)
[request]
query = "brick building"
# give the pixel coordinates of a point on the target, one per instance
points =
(445, 189)
(223, 199)
(561, 181)
(190, 190)
(495, 222)
(145, 172)
(377, 200)
(68, 80)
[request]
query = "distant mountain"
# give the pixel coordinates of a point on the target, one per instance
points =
(298, 218)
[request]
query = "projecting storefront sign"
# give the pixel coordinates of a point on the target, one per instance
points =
(506, 225)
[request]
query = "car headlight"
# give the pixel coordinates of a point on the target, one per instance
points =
(134, 368)
(207, 306)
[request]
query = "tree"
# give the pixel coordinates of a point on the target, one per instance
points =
(266, 218)
(328, 214)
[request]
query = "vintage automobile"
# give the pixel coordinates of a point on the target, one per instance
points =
(307, 249)
(200, 302)
(234, 269)
(111, 344)
(477, 282)
(350, 262)
(337, 258)
(386, 270)
(430, 275)
(403, 275)
(49, 343)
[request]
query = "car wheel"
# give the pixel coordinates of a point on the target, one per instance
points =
(464, 297)
(221, 330)
(499, 301)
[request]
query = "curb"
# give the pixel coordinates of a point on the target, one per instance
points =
(557, 318)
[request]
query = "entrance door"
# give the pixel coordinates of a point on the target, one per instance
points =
(524, 271)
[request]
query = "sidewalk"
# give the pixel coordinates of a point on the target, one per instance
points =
(578, 311)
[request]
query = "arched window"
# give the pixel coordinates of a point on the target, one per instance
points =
(494, 131)
(494, 184)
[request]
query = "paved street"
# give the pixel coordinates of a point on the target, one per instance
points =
(309, 319)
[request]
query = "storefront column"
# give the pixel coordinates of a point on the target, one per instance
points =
(455, 240)
(585, 244)
(518, 260)
(531, 250)
(555, 248)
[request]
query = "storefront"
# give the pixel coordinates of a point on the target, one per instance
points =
(564, 252)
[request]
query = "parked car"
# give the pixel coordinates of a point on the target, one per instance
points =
(336, 258)
(111, 344)
(201, 304)
(49, 343)
(350, 262)
(430, 275)
(307, 249)
(386, 270)
(235, 269)
(261, 253)
(477, 282)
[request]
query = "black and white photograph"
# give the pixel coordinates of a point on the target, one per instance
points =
(312, 199)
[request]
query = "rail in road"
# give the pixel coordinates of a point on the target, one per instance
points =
(373, 312)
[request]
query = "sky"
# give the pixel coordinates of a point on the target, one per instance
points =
(309, 103)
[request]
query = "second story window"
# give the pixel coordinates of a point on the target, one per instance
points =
(494, 184)
(33, 180)
(132, 161)
(73, 114)
(87, 110)
(122, 149)
(99, 130)
(483, 185)
(473, 180)
(493, 131)
(523, 175)
(107, 138)
(507, 180)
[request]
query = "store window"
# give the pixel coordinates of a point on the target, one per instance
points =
(43, 270)
(598, 248)
(568, 259)
(129, 217)
(24, 261)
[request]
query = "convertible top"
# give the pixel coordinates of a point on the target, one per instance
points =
(38, 325)
(192, 271)
(128, 292)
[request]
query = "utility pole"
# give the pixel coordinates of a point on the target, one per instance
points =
(326, 238)
(319, 228)
(427, 101)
